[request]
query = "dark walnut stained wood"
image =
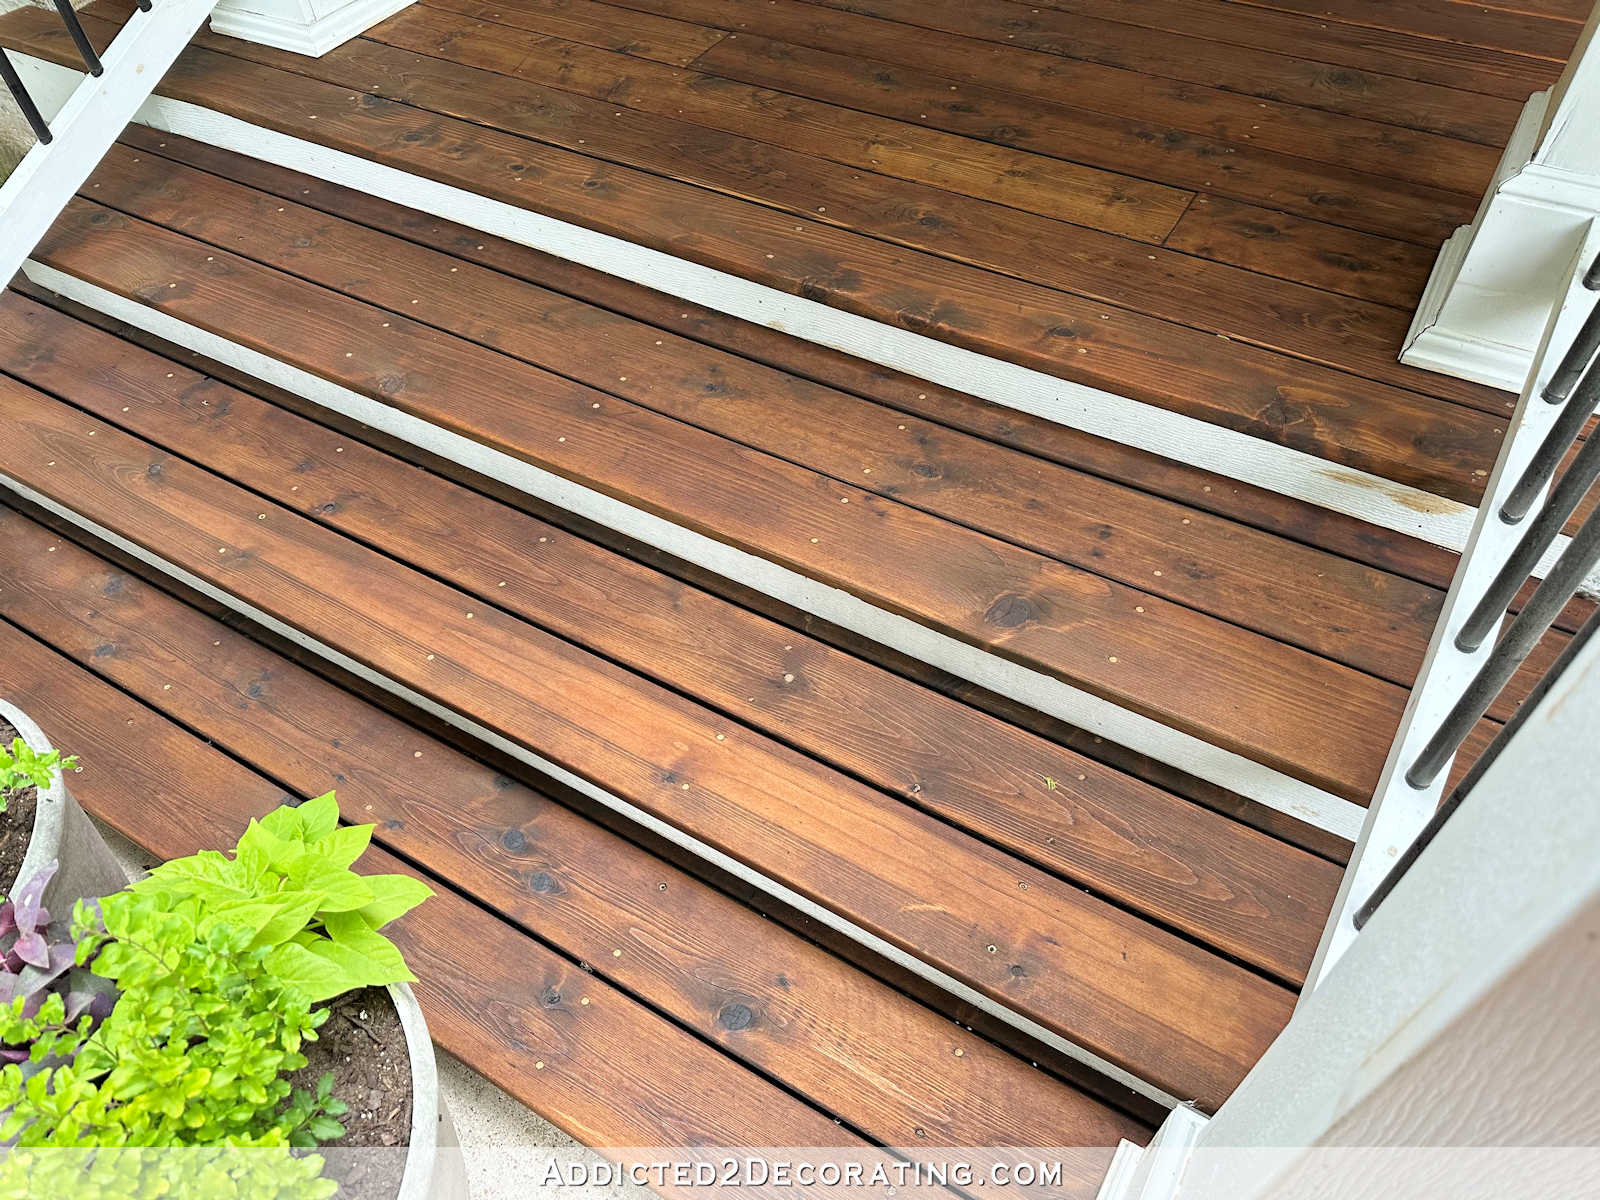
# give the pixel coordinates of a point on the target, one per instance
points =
(849, 1044)
(1460, 21)
(1395, 433)
(1163, 1008)
(1216, 880)
(1188, 484)
(1289, 318)
(964, 166)
(613, 1072)
(1269, 76)
(1371, 148)
(1470, 68)
(1357, 616)
(1295, 711)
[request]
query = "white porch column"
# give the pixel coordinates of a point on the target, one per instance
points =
(310, 27)
(1495, 280)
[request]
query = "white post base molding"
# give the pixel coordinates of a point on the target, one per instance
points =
(309, 27)
(1497, 280)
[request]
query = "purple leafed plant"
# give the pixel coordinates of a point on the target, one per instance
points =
(38, 958)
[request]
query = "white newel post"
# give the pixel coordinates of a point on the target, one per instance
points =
(310, 27)
(1493, 284)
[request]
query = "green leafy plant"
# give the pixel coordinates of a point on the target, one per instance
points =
(219, 962)
(22, 766)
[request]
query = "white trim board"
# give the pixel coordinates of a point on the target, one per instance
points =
(1367, 497)
(1036, 689)
(678, 837)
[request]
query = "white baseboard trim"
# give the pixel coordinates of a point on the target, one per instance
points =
(1237, 456)
(1037, 690)
(314, 38)
(670, 833)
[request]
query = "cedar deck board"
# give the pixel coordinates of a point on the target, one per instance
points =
(1447, 20)
(1358, 89)
(1288, 318)
(942, 35)
(1189, 485)
(1174, 1014)
(851, 1045)
(1216, 880)
(1076, 741)
(1051, 187)
(1395, 433)
(481, 982)
(1297, 712)
(1245, 122)
(1469, 68)
(1376, 623)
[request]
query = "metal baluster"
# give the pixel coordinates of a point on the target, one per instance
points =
(1580, 352)
(1463, 789)
(1548, 456)
(1520, 637)
(41, 128)
(80, 39)
(1562, 503)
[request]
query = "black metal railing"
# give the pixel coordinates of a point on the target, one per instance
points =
(1575, 384)
(86, 51)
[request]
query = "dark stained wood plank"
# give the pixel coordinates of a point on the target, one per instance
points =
(1160, 856)
(1197, 162)
(849, 1044)
(1390, 432)
(1051, 187)
(1470, 68)
(1358, 89)
(1143, 998)
(1446, 20)
(1377, 623)
(1077, 742)
(1287, 708)
(1307, 323)
(1033, 52)
(614, 1074)
(1184, 483)
(1325, 256)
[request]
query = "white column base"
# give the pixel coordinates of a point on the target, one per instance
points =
(1495, 281)
(309, 27)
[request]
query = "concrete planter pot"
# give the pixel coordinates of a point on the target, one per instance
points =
(63, 833)
(429, 1174)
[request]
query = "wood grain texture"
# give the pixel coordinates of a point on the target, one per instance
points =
(1214, 298)
(1188, 484)
(1446, 20)
(847, 1043)
(1469, 68)
(1290, 709)
(1026, 50)
(1288, 74)
(1157, 1005)
(1051, 187)
(1391, 432)
(1325, 256)
(1376, 623)
(482, 983)
(1215, 880)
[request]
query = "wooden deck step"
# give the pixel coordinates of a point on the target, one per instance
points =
(1307, 369)
(1150, 851)
(1159, 1007)
(849, 1045)
(1296, 712)
(481, 980)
